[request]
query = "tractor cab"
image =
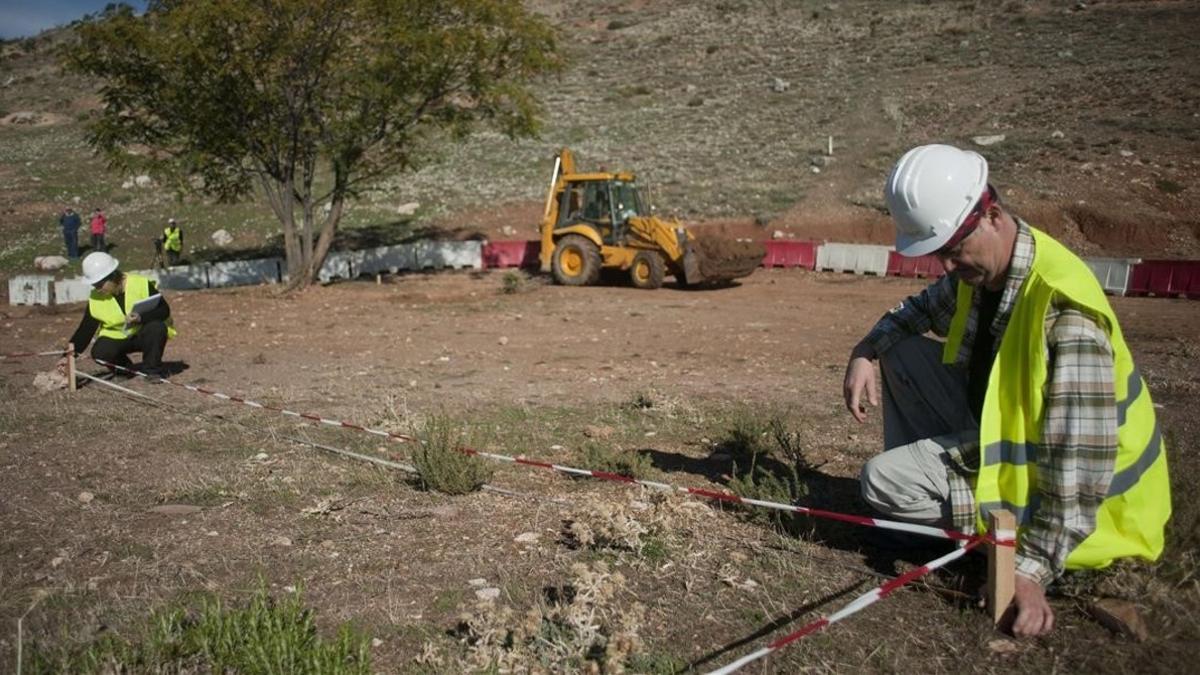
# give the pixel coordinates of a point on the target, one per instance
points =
(605, 204)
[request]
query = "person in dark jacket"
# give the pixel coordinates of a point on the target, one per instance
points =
(70, 222)
(122, 330)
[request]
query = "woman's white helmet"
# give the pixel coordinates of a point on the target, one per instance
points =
(930, 192)
(97, 266)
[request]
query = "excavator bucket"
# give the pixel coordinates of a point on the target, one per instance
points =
(714, 261)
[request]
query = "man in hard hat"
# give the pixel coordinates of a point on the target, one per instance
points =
(172, 241)
(1033, 403)
(122, 330)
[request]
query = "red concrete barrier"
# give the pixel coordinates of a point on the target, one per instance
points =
(790, 254)
(922, 267)
(512, 253)
(1169, 278)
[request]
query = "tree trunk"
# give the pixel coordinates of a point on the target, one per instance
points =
(328, 228)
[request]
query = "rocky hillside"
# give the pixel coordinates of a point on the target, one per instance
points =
(726, 108)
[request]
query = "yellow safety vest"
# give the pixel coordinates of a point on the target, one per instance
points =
(172, 239)
(1132, 516)
(104, 308)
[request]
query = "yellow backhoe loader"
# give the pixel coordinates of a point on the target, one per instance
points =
(600, 220)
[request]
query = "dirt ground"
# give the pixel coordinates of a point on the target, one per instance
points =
(88, 548)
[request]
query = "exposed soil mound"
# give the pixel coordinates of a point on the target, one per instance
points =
(722, 259)
(1142, 236)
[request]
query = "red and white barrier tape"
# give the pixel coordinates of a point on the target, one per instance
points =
(858, 604)
(924, 530)
(25, 355)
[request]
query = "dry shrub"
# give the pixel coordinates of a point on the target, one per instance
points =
(580, 628)
(615, 460)
(640, 525)
(440, 461)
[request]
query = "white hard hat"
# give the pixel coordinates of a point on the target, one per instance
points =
(170, 220)
(930, 192)
(97, 266)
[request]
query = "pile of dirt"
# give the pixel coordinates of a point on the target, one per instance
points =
(723, 259)
(1139, 236)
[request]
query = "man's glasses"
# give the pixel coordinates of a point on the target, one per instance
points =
(953, 246)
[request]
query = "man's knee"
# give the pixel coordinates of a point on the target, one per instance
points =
(875, 483)
(154, 330)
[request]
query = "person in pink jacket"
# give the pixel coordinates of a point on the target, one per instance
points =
(99, 228)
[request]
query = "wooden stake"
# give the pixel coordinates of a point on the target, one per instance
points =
(831, 146)
(71, 366)
(1002, 563)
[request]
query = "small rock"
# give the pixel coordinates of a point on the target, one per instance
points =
(1057, 134)
(376, 642)
(490, 593)
(1126, 153)
(57, 561)
(222, 238)
(1003, 646)
(407, 209)
(86, 497)
(261, 457)
(816, 169)
(281, 541)
(49, 380)
(143, 181)
(444, 359)
(503, 340)
(445, 511)
(127, 185)
(556, 447)
(50, 263)
(508, 230)
(598, 432)
(527, 538)
(778, 234)
(1121, 617)
(779, 85)
(480, 581)
(988, 140)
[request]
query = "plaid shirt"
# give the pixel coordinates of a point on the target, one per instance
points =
(1078, 451)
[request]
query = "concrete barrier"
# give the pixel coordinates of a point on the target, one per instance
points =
(179, 277)
(31, 289)
(67, 291)
(244, 272)
(856, 258)
(513, 253)
(790, 254)
(338, 265)
(448, 254)
(1113, 273)
(391, 259)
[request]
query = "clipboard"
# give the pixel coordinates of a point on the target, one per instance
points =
(142, 306)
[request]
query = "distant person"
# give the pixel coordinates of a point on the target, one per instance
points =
(1032, 405)
(99, 228)
(172, 241)
(70, 222)
(110, 312)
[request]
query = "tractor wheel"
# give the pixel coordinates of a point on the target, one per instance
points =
(576, 261)
(647, 270)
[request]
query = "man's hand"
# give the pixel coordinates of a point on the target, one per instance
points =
(860, 379)
(133, 318)
(1034, 615)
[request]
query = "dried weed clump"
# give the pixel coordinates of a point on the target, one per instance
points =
(643, 525)
(440, 461)
(580, 627)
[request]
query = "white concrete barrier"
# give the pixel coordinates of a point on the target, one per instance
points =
(180, 277)
(67, 291)
(1113, 273)
(390, 259)
(244, 272)
(31, 289)
(451, 254)
(856, 258)
(338, 265)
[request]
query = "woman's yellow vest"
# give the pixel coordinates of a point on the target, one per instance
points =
(104, 308)
(1131, 518)
(172, 239)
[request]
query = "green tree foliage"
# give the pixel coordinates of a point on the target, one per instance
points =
(307, 101)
